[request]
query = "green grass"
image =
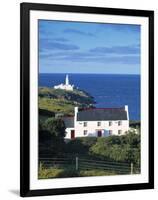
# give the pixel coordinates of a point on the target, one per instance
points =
(57, 93)
(54, 172)
(56, 105)
(95, 172)
(61, 101)
(49, 173)
(66, 172)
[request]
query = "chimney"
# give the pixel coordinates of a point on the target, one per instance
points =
(76, 111)
(126, 109)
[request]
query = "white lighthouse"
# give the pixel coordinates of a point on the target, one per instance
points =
(67, 80)
(65, 86)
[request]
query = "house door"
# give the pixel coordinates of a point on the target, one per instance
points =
(72, 134)
(99, 133)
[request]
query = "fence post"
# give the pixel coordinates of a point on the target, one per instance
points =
(76, 163)
(131, 168)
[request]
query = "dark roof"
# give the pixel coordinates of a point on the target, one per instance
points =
(102, 114)
(69, 122)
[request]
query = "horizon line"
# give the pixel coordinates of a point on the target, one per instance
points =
(85, 73)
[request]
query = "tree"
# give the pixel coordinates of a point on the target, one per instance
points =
(51, 136)
(41, 125)
(56, 127)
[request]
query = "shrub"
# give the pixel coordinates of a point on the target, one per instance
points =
(49, 173)
(56, 127)
(124, 148)
(56, 172)
(80, 145)
(46, 113)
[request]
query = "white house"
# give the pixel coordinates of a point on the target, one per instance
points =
(97, 122)
(65, 86)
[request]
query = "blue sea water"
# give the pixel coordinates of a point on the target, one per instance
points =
(107, 90)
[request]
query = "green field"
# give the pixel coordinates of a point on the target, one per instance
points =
(63, 102)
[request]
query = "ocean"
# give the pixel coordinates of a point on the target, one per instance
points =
(108, 90)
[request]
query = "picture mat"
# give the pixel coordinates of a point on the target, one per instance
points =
(35, 183)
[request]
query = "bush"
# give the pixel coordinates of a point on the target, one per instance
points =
(75, 147)
(49, 173)
(88, 141)
(80, 145)
(56, 127)
(56, 172)
(124, 148)
(46, 113)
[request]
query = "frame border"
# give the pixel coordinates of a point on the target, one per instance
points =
(25, 9)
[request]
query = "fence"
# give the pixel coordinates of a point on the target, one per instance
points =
(79, 163)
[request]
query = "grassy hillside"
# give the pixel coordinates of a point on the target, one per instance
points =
(62, 101)
(96, 157)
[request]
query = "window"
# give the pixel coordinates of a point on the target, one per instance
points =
(110, 123)
(85, 132)
(98, 123)
(119, 123)
(119, 132)
(85, 124)
(110, 132)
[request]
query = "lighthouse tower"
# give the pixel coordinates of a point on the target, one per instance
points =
(67, 80)
(65, 86)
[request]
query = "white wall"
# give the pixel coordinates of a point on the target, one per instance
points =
(9, 101)
(92, 128)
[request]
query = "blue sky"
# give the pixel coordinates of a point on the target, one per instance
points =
(78, 47)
